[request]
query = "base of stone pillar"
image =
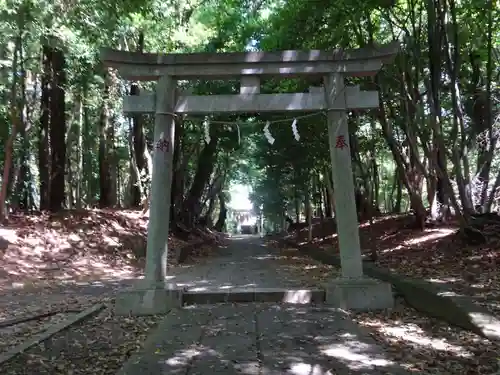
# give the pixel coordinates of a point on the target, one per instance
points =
(148, 299)
(361, 294)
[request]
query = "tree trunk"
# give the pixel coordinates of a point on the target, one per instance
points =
(210, 211)
(9, 148)
(22, 174)
(79, 158)
(135, 183)
(458, 145)
(319, 197)
(221, 221)
(89, 147)
(57, 131)
(297, 207)
(112, 162)
(104, 165)
(139, 146)
(375, 170)
(329, 190)
(43, 135)
(308, 210)
(399, 191)
(440, 206)
(482, 117)
(192, 204)
(328, 204)
(415, 198)
(492, 133)
(179, 165)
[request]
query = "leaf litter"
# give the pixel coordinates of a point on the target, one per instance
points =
(54, 266)
(103, 342)
(437, 255)
(100, 344)
(419, 343)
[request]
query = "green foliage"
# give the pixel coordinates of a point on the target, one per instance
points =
(282, 173)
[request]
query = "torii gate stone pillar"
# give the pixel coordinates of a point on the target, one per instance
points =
(353, 290)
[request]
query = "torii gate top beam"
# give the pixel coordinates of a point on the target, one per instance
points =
(150, 66)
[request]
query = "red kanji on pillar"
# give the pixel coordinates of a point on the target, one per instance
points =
(162, 145)
(341, 143)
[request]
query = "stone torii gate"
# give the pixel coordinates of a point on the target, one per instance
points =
(352, 290)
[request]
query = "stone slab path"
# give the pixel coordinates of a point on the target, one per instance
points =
(244, 271)
(244, 263)
(255, 338)
(259, 339)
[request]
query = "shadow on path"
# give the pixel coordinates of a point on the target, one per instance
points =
(262, 339)
(245, 262)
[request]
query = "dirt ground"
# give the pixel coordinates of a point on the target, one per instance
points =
(59, 265)
(68, 262)
(438, 255)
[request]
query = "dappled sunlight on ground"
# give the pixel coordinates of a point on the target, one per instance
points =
(263, 339)
(98, 345)
(427, 345)
(55, 266)
(425, 236)
(76, 246)
(310, 273)
(436, 254)
(413, 334)
(351, 352)
(420, 343)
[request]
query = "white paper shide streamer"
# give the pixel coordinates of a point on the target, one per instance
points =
(267, 133)
(295, 131)
(206, 126)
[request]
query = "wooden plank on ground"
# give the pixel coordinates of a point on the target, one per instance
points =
(52, 330)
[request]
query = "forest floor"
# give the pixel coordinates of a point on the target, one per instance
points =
(65, 263)
(437, 255)
(54, 266)
(77, 246)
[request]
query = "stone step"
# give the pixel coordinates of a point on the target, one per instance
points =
(242, 295)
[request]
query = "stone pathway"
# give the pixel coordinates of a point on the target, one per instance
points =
(244, 271)
(259, 339)
(255, 338)
(244, 263)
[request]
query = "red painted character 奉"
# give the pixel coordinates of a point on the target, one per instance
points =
(341, 143)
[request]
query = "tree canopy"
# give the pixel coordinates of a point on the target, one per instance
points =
(429, 147)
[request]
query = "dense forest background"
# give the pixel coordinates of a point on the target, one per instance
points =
(429, 147)
(76, 178)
